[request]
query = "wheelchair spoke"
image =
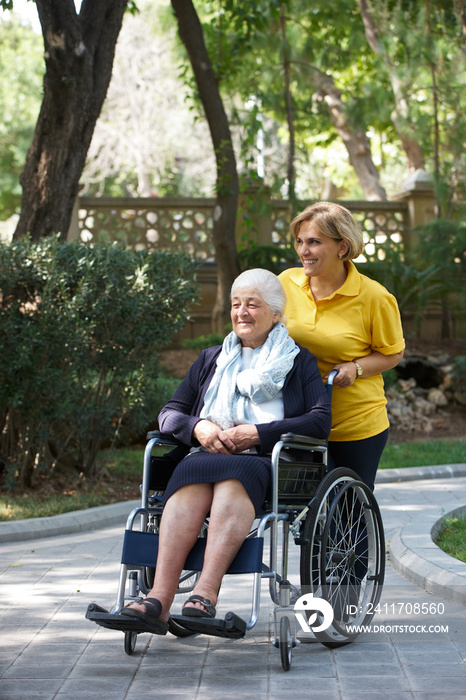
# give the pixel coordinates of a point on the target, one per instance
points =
(343, 562)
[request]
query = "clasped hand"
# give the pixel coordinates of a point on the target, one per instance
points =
(230, 441)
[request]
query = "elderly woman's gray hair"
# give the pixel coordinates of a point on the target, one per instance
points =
(265, 284)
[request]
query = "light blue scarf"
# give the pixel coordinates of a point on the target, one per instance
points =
(232, 388)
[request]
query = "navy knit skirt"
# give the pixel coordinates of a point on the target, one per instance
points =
(252, 471)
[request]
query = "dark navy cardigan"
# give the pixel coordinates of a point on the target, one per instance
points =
(305, 399)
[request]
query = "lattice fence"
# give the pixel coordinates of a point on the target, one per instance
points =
(186, 224)
(383, 223)
(165, 224)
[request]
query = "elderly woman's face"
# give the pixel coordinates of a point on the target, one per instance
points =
(252, 318)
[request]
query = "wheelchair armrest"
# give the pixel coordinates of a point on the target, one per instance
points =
(303, 440)
(164, 438)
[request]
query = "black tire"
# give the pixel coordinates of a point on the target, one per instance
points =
(130, 642)
(146, 580)
(147, 575)
(285, 643)
(344, 561)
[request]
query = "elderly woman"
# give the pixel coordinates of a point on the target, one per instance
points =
(232, 407)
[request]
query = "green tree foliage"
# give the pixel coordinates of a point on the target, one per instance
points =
(415, 287)
(392, 68)
(302, 66)
(21, 73)
(442, 243)
(406, 89)
(431, 274)
(80, 328)
(421, 49)
(139, 146)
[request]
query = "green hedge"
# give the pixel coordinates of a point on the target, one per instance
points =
(80, 327)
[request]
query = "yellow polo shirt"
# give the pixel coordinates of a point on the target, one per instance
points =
(360, 317)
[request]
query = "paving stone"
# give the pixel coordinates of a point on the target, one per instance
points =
(52, 652)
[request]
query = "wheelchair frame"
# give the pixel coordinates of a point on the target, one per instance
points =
(333, 517)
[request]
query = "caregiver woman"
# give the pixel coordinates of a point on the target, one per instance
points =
(350, 323)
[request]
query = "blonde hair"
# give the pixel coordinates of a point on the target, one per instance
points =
(334, 221)
(266, 284)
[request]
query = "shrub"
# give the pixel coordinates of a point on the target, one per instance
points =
(269, 257)
(203, 341)
(79, 332)
(390, 378)
(414, 287)
(430, 274)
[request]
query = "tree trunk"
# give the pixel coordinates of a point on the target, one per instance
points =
(400, 115)
(356, 142)
(290, 169)
(461, 6)
(27, 469)
(190, 31)
(435, 102)
(79, 52)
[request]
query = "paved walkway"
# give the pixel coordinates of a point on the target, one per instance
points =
(417, 648)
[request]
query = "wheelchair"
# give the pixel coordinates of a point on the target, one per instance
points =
(331, 515)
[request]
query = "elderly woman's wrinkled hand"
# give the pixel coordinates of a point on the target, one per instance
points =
(243, 436)
(230, 441)
(213, 438)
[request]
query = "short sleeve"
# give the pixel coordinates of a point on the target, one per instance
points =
(387, 331)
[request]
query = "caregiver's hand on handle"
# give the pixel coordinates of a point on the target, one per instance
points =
(371, 365)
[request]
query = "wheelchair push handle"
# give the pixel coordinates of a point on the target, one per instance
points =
(330, 380)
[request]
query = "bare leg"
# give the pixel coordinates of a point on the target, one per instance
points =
(182, 519)
(231, 516)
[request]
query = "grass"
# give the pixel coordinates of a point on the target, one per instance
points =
(452, 537)
(423, 454)
(122, 473)
(121, 476)
(37, 506)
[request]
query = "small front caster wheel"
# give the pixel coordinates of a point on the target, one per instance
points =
(130, 642)
(286, 643)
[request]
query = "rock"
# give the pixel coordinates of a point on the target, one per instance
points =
(426, 425)
(427, 371)
(445, 360)
(407, 384)
(424, 386)
(423, 407)
(460, 398)
(397, 410)
(437, 397)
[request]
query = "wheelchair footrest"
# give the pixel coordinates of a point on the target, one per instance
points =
(123, 623)
(232, 626)
(104, 618)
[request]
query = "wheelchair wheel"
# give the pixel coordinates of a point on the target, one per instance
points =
(285, 643)
(344, 560)
(130, 642)
(148, 572)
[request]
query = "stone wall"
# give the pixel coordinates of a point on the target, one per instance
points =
(423, 393)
